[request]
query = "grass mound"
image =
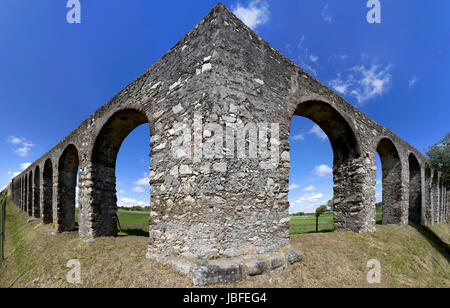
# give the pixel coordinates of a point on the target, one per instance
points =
(409, 256)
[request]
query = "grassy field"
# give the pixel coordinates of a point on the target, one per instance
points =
(136, 223)
(409, 256)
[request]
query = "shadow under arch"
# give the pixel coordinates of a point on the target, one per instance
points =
(104, 156)
(30, 194)
(341, 135)
(393, 213)
(415, 190)
(47, 208)
(346, 200)
(67, 182)
(37, 193)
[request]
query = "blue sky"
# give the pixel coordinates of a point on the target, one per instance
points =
(54, 75)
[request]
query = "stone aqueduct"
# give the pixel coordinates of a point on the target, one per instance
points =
(223, 218)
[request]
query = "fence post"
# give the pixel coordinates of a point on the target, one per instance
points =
(317, 223)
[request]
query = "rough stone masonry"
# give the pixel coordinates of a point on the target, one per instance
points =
(222, 217)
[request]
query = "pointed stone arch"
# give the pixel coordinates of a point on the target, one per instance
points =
(103, 215)
(415, 190)
(47, 202)
(393, 211)
(346, 156)
(67, 181)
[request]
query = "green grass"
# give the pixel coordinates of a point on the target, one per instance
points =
(307, 224)
(131, 222)
(409, 256)
(136, 223)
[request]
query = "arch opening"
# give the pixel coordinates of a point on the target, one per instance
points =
(392, 212)
(104, 157)
(345, 149)
(47, 204)
(415, 190)
(67, 183)
(37, 193)
(342, 138)
(30, 194)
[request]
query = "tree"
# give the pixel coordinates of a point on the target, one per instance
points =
(320, 210)
(439, 155)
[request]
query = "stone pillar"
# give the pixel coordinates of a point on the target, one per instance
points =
(428, 197)
(86, 212)
(353, 207)
(424, 198)
(435, 197)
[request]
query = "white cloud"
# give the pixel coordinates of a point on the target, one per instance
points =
(308, 203)
(128, 202)
(336, 57)
(257, 13)
(323, 170)
(363, 82)
(293, 186)
(15, 140)
(310, 188)
(316, 130)
(307, 60)
(309, 197)
(313, 58)
(299, 137)
(138, 189)
(25, 147)
(413, 82)
(24, 166)
(142, 182)
(326, 15)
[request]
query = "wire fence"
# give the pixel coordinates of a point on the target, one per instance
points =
(307, 223)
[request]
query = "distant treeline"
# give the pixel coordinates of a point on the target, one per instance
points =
(135, 209)
(328, 210)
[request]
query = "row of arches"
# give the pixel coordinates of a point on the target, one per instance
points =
(50, 193)
(426, 191)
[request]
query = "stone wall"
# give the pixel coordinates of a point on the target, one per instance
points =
(219, 105)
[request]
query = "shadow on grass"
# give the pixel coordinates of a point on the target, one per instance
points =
(134, 232)
(311, 232)
(433, 239)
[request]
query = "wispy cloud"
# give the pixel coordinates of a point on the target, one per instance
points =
(298, 137)
(255, 14)
(25, 166)
(308, 202)
(412, 82)
(129, 202)
(138, 189)
(316, 130)
(326, 15)
(310, 188)
(323, 170)
(24, 146)
(293, 186)
(142, 182)
(307, 60)
(363, 82)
